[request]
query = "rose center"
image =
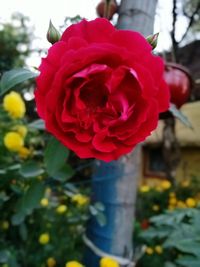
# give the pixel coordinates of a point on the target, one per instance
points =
(93, 96)
(93, 99)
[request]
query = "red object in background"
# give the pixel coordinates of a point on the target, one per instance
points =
(106, 12)
(179, 81)
(145, 224)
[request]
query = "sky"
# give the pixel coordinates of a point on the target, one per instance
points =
(40, 12)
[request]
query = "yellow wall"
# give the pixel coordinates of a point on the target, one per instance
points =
(190, 163)
(189, 166)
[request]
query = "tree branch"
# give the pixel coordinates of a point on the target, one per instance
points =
(173, 32)
(191, 21)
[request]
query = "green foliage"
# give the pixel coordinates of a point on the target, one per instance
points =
(37, 124)
(14, 77)
(167, 226)
(55, 157)
(41, 208)
(178, 231)
(14, 43)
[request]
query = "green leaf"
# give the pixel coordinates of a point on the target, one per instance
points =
(71, 188)
(101, 218)
(64, 173)
(169, 264)
(13, 77)
(18, 218)
(14, 167)
(93, 211)
(33, 196)
(99, 206)
(7, 257)
(23, 231)
(55, 156)
(188, 261)
(31, 169)
(156, 232)
(180, 116)
(189, 246)
(4, 256)
(3, 196)
(171, 218)
(37, 124)
(16, 188)
(29, 201)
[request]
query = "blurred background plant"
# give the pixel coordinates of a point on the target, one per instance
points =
(15, 39)
(41, 210)
(166, 227)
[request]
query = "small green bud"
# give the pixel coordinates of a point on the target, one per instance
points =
(53, 34)
(153, 40)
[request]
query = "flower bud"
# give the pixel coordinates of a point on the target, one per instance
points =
(107, 8)
(53, 34)
(153, 39)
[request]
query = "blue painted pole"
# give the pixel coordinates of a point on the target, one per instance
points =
(109, 187)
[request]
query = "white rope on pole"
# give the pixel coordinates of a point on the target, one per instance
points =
(122, 261)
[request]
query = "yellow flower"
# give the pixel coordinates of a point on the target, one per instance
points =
(181, 204)
(158, 249)
(185, 183)
(73, 264)
(51, 262)
(149, 250)
(44, 239)
(80, 199)
(13, 141)
(159, 188)
(172, 194)
(61, 209)
(21, 129)
(172, 201)
(40, 177)
(166, 185)
(144, 188)
(44, 202)
(5, 225)
(48, 191)
(156, 208)
(24, 152)
(190, 202)
(108, 262)
(14, 105)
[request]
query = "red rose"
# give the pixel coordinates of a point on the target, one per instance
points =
(100, 90)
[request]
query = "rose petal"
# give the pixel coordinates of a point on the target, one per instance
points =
(132, 41)
(101, 143)
(83, 137)
(95, 31)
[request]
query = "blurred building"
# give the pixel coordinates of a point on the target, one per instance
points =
(189, 139)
